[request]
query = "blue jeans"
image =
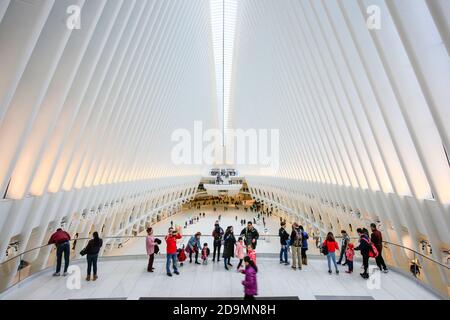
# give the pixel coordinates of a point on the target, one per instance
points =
(226, 261)
(92, 263)
(331, 256)
(62, 248)
(284, 254)
(174, 259)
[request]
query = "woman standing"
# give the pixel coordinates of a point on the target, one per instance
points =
(228, 246)
(150, 246)
(331, 245)
(92, 249)
(250, 283)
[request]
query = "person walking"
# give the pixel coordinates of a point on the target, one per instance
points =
(250, 235)
(240, 251)
(377, 239)
(364, 248)
(92, 250)
(61, 239)
(217, 235)
(150, 247)
(296, 245)
(250, 283)
(344, 242)
(331, 247)
(171, 242)
(284, 237)
(305, 238)
(194, 246)
(228, 247)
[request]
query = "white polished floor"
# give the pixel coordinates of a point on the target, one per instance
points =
(127, 278)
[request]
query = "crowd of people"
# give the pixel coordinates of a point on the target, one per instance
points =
(369, 246)
(242, 247)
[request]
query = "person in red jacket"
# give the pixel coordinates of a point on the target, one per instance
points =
(171, 241)
(332, 246)
(61, 239)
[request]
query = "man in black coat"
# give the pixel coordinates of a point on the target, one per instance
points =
(284, 237)
(250, 235)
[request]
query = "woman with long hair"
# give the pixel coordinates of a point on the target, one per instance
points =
(331, 247)
(92, 250)
(250, 284)
(228, 247)
(150, 247)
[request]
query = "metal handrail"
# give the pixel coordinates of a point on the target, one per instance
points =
(206, 235)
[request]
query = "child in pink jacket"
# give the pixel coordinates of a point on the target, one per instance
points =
(240, 252)
(349, 254)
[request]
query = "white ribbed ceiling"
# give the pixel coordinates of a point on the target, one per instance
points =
(86, 115)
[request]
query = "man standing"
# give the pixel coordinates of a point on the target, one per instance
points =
(377, 239)
(250, 235)
(296, 245)
(344, 243)
(284, 236)
(217, 240)
(61, 239)
(171, 241)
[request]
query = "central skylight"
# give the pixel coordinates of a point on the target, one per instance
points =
(223, 21)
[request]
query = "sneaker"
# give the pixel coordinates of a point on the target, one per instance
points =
(88, 278)
(196, 262)
(65, 274)
(337, 271)
(329, 271)
(295, 268)
(281, 262)
(286, 263)
(230, 264)
(300, 268)
(56, 274)
(176, 272)
(226, 268)
(385, 271)
(169, 274)
(338, 262)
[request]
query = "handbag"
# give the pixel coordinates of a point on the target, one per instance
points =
(83, 252)
(324, 249)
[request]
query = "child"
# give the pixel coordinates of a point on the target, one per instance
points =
(181, 255)
(205, 253)
(250, 283)
(349, 253)
(251, 253)
(240, 252)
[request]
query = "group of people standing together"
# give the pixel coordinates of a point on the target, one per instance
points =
(370, 246)
(243, 249)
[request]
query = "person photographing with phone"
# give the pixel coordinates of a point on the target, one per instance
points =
(171, 242)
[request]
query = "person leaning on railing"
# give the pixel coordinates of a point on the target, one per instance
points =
(61, 239)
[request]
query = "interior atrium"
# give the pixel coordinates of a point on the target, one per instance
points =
(121, 115)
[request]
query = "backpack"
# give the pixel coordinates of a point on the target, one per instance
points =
(373, 252)
(298, 239)
(324, 249)
(156, 249)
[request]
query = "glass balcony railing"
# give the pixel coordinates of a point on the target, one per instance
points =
(407, 261)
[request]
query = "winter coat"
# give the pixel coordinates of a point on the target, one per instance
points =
(228, 245)
(171, 242)
(294, 235)
(218, 235)
(284, 236)
(150, 245)
(250, 284)
(249, 235)
(364, 245)
(377, 240)
(332, 246)
(194, 244)
(240, 250)
(350, 252)
(305, 238)
(93, 246)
